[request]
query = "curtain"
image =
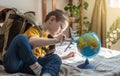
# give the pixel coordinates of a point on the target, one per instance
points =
(98, 21)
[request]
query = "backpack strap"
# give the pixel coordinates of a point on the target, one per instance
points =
(5, 31)
(23, 20)
(40, 31)
(23, 27)
(32, 19)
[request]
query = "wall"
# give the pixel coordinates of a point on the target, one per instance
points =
(32, 5)
(61, 4)
(24, 5)
(89, 11)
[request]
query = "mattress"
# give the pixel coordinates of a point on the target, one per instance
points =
(107, 63)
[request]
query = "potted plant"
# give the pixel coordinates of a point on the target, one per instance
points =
(72, 9)
(75, 12)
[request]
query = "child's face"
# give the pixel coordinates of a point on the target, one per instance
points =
(57, 28)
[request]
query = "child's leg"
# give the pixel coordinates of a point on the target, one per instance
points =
(51, 64)
(18, 54)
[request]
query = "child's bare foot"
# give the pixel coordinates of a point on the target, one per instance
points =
(71, 54)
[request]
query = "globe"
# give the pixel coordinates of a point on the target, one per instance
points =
(89, 46)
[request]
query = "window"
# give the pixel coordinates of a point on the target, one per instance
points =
(114, 3)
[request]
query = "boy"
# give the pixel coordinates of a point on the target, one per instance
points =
(24, 53)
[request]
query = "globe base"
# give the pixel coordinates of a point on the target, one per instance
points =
(86, 65)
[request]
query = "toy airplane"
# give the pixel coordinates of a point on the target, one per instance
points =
(71, 40)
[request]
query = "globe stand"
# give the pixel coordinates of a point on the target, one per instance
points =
(86, 65)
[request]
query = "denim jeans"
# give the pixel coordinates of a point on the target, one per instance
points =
(19, 57)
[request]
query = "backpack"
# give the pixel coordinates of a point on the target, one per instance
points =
(14, 23)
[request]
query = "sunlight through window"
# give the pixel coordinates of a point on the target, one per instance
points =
(114, 3)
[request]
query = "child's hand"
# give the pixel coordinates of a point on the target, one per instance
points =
(61, 38)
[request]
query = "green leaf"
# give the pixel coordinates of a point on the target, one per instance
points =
(107, 34)
(77, 20)
(66, 8)
(85, 17)
(87, 24)
(85, 5)
(114, 41)
(70, 4)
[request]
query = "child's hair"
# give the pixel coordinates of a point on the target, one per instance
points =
(59, 14)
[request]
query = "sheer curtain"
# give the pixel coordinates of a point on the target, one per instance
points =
(98, 21)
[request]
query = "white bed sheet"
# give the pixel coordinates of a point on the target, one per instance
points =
(107, 63)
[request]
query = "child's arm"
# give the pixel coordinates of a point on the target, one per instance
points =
(39, 42)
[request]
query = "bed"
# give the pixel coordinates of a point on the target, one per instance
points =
(107, 63)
